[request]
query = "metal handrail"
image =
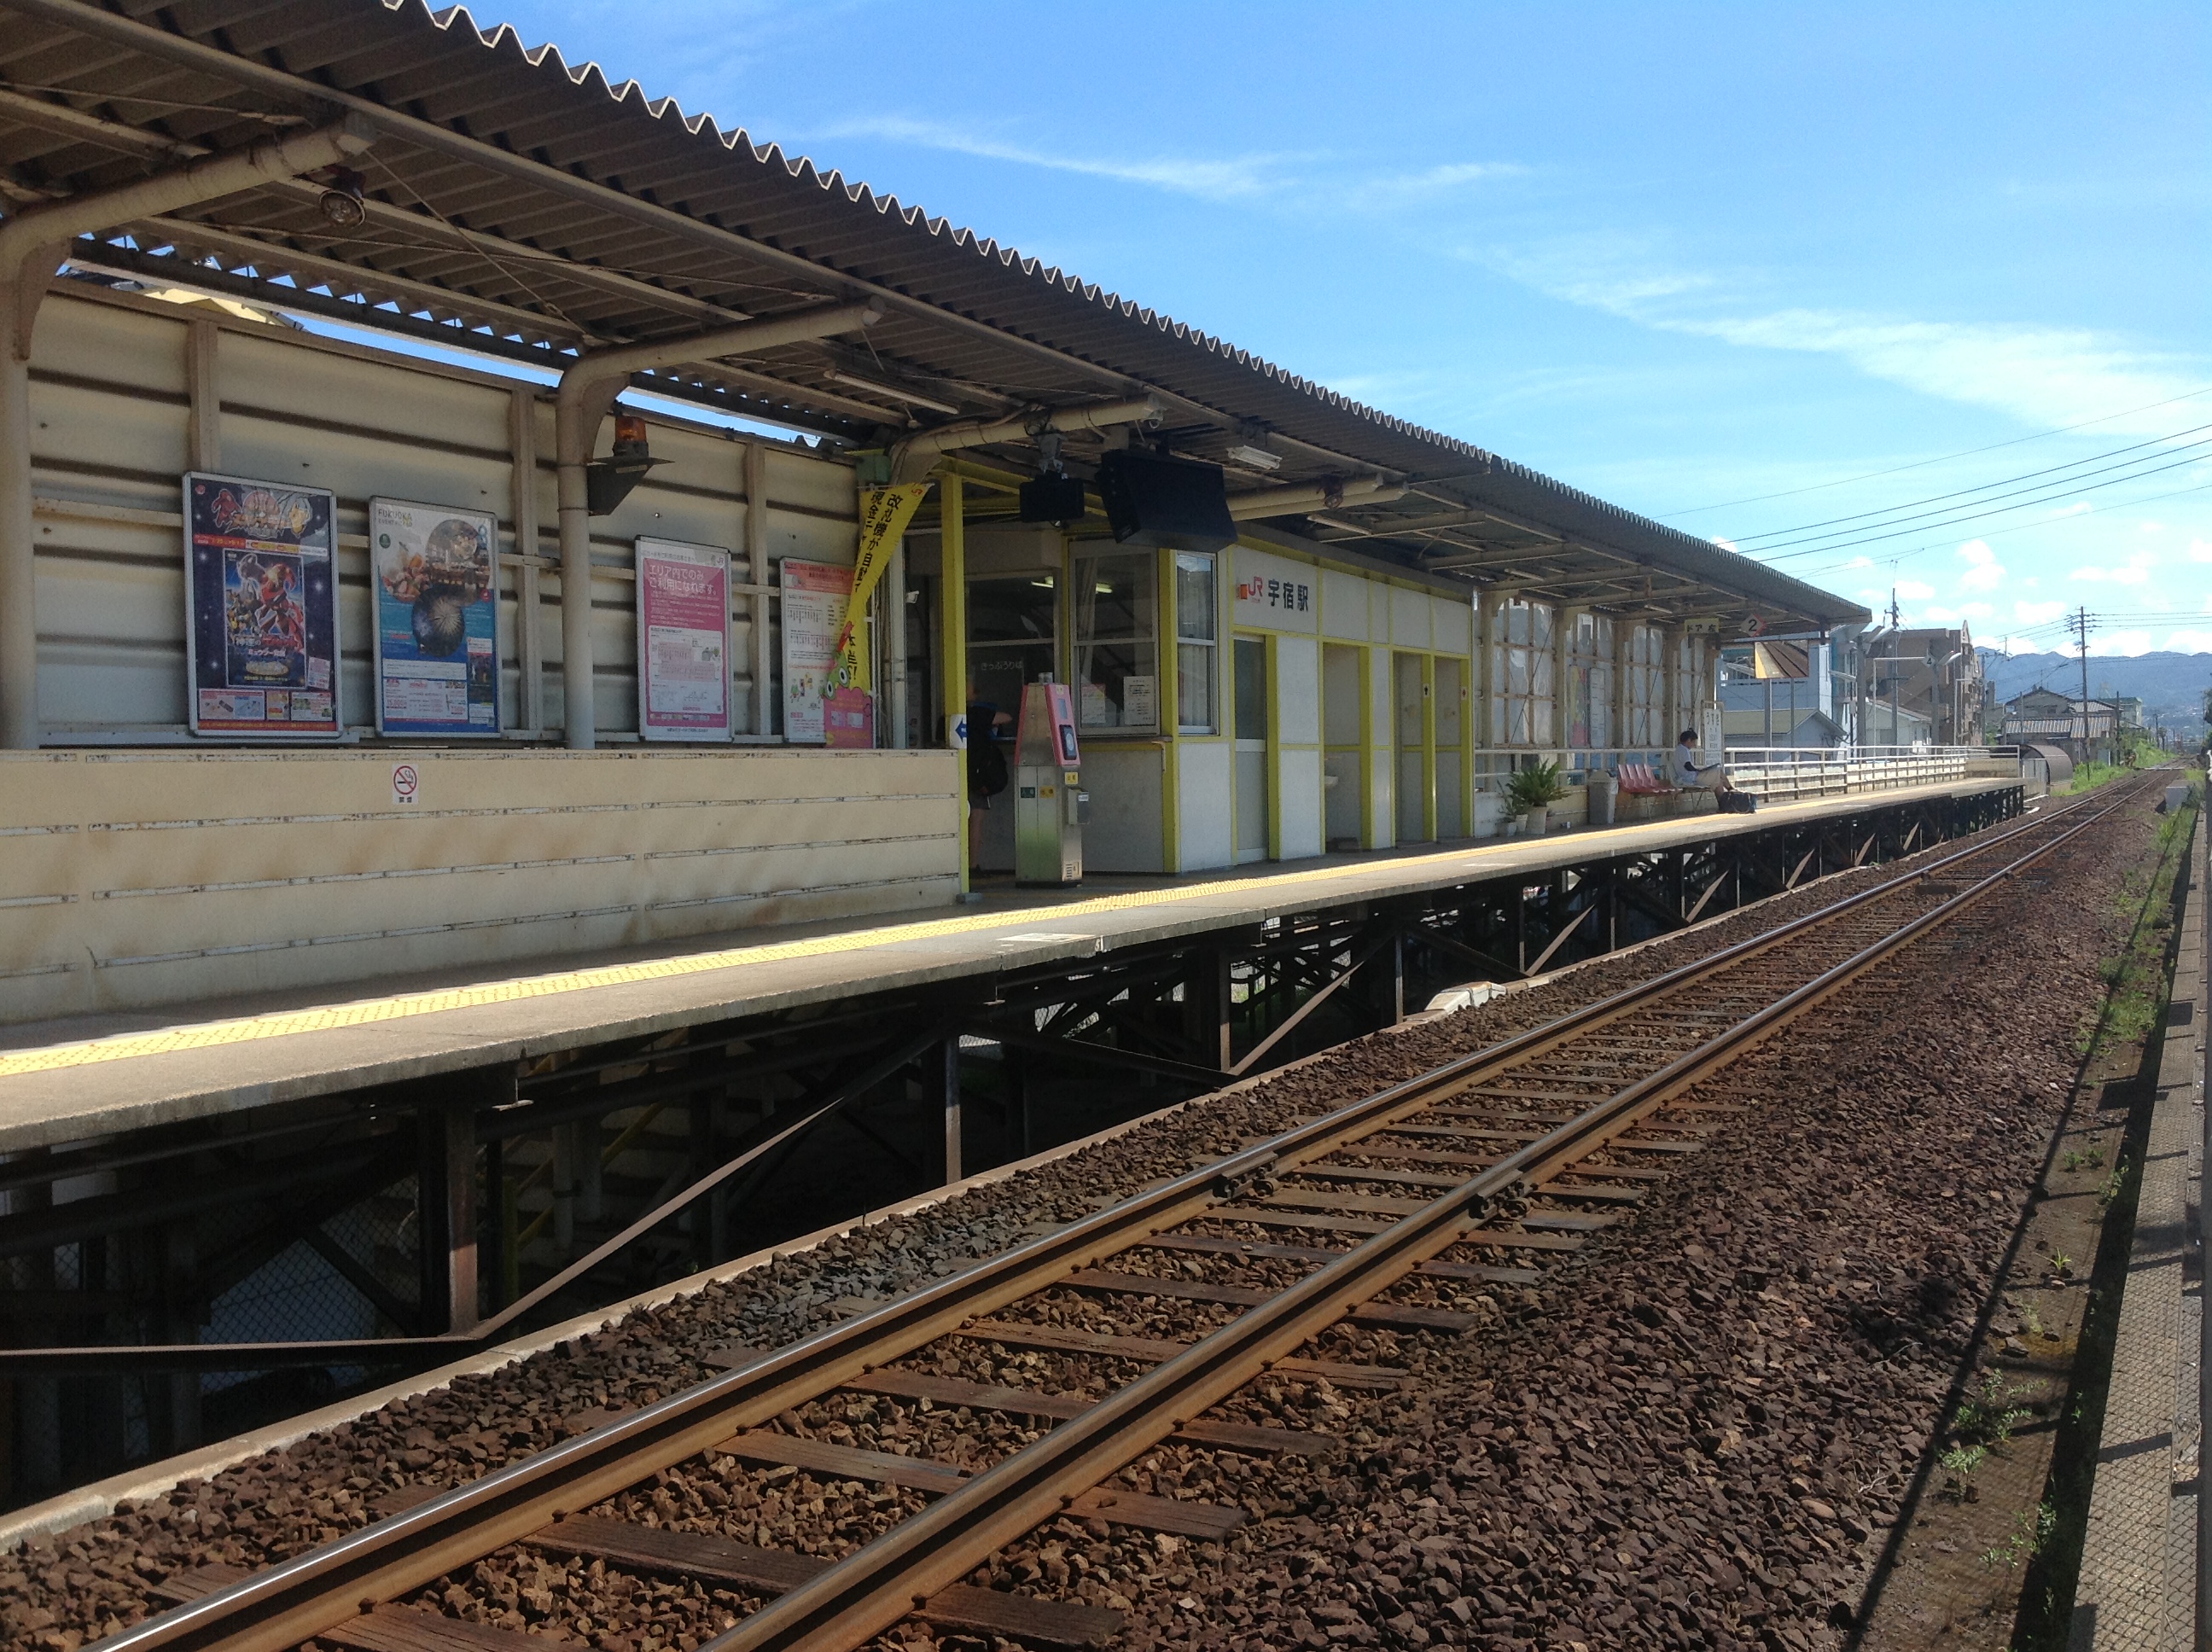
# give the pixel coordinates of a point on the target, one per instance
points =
(1778, 771)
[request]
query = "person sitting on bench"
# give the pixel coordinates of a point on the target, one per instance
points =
(1685, 773)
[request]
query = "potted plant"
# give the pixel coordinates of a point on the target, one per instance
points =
(1532, 790)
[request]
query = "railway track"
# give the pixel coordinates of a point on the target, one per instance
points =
(1393, 1213)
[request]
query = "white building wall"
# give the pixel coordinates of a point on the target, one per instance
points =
(1381, 761)
(1298, 826)
(1204, 774)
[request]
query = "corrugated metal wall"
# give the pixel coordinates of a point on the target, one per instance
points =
(131, 878)
(134, 878)
(129, 392)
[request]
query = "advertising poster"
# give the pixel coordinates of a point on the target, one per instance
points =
(820, 705)
(261, 592)
(436, 589)
(683, 642)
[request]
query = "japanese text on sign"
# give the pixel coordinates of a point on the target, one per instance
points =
(1291, 596)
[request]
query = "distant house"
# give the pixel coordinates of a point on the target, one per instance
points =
(2045, 717)
(1813, 729)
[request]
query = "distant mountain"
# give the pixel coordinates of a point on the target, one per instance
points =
(2171, 686)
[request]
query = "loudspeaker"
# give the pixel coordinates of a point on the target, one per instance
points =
(1055, 499)
(1151, 500)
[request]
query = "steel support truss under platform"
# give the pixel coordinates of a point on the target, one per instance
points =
(419, 1220)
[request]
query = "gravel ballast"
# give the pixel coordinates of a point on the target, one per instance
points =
(1692, 1433)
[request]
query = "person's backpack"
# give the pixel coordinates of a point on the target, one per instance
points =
(986, 767)
(1739, 803)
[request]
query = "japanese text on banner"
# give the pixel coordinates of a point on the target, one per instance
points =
(885, 512)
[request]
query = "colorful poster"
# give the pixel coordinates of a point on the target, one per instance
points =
(434, 579)
(821, 705)
(261, 592)
(683, 642)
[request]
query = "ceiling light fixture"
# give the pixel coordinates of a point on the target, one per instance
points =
(837, 376)
(1254, 459)
(342, 202)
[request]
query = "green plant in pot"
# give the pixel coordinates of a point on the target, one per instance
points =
(1529, 792)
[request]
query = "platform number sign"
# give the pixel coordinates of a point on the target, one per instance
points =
(406, 784)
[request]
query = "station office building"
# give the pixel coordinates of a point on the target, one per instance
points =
(1401, 619)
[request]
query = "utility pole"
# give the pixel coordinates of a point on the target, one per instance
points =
(1896, 660)
(2081, 627)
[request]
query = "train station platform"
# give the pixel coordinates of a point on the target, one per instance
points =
(2138, 1584)
(66, 1081)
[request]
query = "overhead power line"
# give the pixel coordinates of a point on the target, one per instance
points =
(2044, 496)
(1962, 493)
(1995, 533)
(1940, 458)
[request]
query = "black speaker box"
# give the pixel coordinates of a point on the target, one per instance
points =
(1151, 500)
(1054, 499)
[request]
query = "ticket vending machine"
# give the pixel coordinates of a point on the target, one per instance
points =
(1050, 806)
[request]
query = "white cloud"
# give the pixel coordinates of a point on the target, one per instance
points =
(1914, 591)
(1226, 179)
(2123, 643)
(2200, 551)
(2036, 613)
(1421, 188)
(2189, 642)
(1868, 561)
(1725, 544)
(2134, 571)
(1978, 610)
(2150, 528)
(1212, 178)
(1983, 572)
(2042, 375)
(1937, 615)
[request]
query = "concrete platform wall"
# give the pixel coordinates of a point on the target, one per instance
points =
(132, 879)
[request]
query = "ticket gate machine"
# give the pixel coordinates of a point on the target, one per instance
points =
(1050, 806)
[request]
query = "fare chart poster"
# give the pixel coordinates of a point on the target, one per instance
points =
(437, 619)
(261, 588)
(819, 706)
(683, 640)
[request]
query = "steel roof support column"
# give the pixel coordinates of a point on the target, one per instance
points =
(585, 395)
(33, 243)
(952, 650)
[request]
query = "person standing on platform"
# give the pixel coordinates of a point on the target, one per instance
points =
(987, 774)
(1687, 774)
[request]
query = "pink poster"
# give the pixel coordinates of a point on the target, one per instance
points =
(683, 642)
(818, 704)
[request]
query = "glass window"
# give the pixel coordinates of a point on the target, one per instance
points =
(1522, 671)
(1589, 682)
(1251, 688)
(1117, 653)
(1646, 687)
(1012, 624)
(1195, 641)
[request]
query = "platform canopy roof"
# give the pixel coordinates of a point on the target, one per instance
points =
(522, 206)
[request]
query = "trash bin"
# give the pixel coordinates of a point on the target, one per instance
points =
(1603, 788)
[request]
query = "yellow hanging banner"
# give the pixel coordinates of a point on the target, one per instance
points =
(885, 512)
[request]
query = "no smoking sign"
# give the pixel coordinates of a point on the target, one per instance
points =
(406, 784)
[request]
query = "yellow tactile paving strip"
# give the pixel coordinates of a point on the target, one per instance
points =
(328, 1017)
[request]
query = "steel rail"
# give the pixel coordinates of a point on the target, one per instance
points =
(297, 1599)
(883, 1582)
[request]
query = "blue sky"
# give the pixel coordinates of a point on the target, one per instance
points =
(1681, 257)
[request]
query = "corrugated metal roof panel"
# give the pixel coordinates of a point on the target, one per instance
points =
(517, 145)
